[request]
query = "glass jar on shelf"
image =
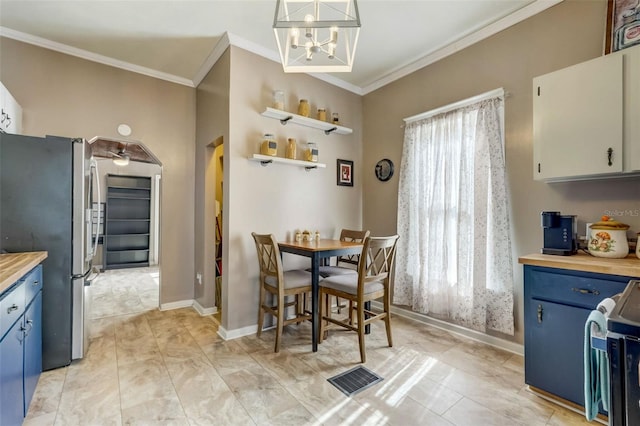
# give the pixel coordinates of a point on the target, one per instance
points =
(269, 145)
(311, 153)
(303, 108)
(278, 100)
(322, 114)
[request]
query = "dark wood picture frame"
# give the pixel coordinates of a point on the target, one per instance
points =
(623, 25)
(344, 172)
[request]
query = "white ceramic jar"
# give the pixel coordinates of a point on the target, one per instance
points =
(608, 238)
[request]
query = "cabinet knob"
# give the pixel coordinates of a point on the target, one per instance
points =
(11, 308)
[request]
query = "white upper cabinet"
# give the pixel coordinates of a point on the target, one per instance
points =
(586, 119)
(11, 118)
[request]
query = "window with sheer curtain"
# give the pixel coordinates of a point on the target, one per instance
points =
(453, 259)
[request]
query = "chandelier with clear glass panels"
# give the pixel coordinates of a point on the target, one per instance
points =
(317, 35)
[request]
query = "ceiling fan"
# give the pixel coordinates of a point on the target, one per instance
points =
(121, 158)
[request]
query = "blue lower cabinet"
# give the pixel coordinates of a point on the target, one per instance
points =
(32, 349)
(11, 391)
(20, 347)
(557, 303)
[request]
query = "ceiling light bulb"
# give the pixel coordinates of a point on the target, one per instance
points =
(331, 50)
(294, 37)
(309, 52)
(334, 35)
(308, 18)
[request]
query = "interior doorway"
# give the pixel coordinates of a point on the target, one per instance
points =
(129, 246)
(218, 166)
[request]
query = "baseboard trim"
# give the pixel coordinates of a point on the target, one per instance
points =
(204, 311)
(238, 332)
(506, 345)
(176, 305)
(188, 304)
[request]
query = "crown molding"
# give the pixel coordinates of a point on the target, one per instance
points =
(90, 56)
(500, 25)
(229, 39)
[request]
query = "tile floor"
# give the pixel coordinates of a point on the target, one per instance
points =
(147, 367)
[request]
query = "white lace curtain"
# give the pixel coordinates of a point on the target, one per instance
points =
(453, 261)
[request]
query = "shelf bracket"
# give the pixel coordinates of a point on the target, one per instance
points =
(307, 168)
(265, 163)
(328, 132)
(284, 121)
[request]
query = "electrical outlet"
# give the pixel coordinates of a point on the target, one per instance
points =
(199, 278)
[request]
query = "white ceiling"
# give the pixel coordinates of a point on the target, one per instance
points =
(175, 39)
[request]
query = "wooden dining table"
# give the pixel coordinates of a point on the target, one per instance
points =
(318, 250)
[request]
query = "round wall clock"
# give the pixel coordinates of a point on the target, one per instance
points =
(384, 169)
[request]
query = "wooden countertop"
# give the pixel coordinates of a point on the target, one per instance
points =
(13, 266)
(628, 266)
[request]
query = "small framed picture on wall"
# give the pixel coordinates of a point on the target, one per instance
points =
(345, 172)
(623, 25)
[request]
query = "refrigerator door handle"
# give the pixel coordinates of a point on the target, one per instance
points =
(90, 279)
(85, 275)
(96, 175)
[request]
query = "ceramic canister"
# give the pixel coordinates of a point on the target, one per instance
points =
(608, 238)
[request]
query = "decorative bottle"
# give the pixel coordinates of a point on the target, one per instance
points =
(291, 149)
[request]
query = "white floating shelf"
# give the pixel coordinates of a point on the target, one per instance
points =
(267, 159)
(289, 117)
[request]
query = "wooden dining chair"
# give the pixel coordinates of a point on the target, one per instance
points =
(372, 281)
(347, 264)
(274, 280)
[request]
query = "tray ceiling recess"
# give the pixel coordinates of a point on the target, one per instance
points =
(104, 147)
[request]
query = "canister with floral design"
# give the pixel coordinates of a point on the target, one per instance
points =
(608, 238)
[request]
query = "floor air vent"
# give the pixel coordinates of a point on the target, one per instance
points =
(355, 380)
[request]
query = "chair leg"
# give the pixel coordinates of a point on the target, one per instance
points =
(279, 326)
(298, 305)
(260, 311)
(387, 319)
(323, 309)
(350, 312)
(363, 356)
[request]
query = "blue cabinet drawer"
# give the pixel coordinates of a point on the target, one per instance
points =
(580, 289)
(11, 307)
(32, 284)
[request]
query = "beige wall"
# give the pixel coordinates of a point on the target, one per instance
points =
(566, 34)
(66, 96)
(212, 127)
(279, 198)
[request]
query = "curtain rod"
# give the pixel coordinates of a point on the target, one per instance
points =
(460, 104)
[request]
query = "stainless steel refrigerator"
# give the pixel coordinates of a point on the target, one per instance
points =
(46, 190)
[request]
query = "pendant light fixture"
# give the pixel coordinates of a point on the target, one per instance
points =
(317, 35)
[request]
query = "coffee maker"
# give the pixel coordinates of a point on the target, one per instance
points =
(560, 234)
